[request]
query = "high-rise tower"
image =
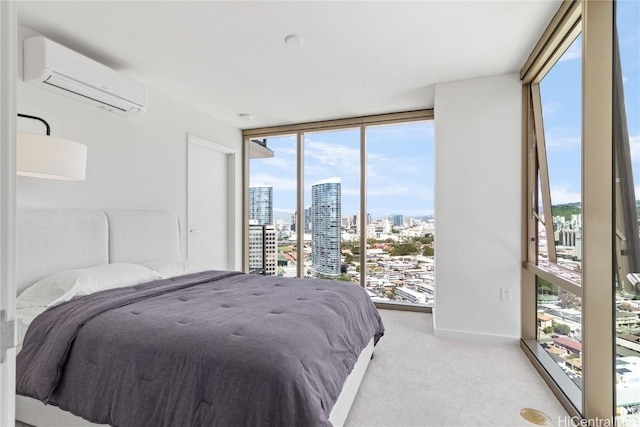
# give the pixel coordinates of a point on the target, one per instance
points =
(263, 249)
(398, 220)
(325, 226)
(261, 204)
(262, 233)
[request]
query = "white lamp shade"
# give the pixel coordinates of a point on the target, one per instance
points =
(44, 156)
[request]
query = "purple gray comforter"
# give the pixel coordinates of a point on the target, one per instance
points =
(208, 349)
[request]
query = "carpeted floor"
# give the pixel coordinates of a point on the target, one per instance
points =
(416, 379)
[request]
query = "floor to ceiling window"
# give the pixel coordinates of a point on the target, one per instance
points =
(557, 104)
(272, 199)
(350, 201)
(400, 221)
(581, 116)
(626, 140)
(331, 201)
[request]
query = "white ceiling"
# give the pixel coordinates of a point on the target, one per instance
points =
(358, 57)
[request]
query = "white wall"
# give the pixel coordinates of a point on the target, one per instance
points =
(133, 163)
(478, 198)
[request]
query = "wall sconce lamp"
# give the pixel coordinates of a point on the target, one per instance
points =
(45, 156)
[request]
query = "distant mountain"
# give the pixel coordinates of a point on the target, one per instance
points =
(566, 210)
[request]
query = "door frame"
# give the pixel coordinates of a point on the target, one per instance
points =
(233, 199)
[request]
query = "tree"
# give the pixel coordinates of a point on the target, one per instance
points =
(561, 328)
(568, 299)
(348, 258)
(391, 293)
(544, 286)
(404, 249)
(428, 251)
(424, 240)
(548, 330)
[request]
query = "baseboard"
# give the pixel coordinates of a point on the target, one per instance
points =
(475, 336)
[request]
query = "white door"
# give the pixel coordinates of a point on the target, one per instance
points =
(8, 61)
(210, 203)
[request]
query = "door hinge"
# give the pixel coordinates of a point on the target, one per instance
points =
(7, 335)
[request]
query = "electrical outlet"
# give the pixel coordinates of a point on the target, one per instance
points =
(505, 294)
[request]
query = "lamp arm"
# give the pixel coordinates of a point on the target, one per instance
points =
(37, 118)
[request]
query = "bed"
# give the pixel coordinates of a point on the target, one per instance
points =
(184, 346)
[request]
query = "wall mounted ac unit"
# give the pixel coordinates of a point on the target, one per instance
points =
(61, 70)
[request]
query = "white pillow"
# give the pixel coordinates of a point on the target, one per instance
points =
(173, 268)
(63, 286)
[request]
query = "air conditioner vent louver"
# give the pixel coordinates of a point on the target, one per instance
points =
(61, 70)
(51, 81)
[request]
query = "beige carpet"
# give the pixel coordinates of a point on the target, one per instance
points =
(416, 379)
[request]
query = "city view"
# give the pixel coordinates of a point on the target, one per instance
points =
(559, 315)
(399, 231)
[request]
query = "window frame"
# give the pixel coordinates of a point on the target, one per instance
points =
(299, 131)
(595, 19)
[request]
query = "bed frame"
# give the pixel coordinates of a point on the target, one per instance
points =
(49, 241)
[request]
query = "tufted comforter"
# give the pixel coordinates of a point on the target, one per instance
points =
(208, 349)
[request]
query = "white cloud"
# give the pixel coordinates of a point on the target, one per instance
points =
(350, 191)
(379, 211)
(314, 171)
(634, 146)
(561, 194)
(285, 165)
(563, 138)
(550, 107)
(574, 51)
(278, 182)
(383, 171)
(333, 155)
(323, 160)
(280, 210)
(286, 150)
(389, 189)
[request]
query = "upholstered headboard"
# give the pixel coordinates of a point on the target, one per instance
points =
(48, 241)
(140, 236)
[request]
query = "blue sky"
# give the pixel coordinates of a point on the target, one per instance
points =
(561, 100)
(628, 21)
(400, 174)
